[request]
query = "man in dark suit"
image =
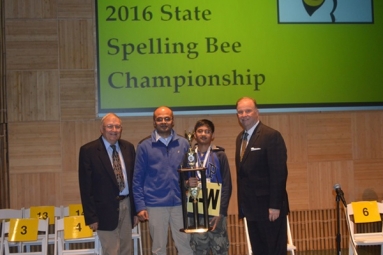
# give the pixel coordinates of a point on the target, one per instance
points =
(105, 176)
(261, 162)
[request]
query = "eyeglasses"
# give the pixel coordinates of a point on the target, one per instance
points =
(111, 126)
(166, 119)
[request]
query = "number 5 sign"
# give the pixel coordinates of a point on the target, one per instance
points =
(366, 211)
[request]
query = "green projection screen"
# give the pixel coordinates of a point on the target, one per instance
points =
(201, 56)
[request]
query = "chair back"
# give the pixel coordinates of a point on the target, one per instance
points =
(73, 210)
(24, 231)
(366, 214)
(44, 212)
(6, 215)
(72, 230)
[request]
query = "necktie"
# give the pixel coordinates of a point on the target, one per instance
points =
(244, 144)
(117, 168)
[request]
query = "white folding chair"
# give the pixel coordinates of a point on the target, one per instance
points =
(72, 230)
(48, 213)
(364, 212)
(5, 215)
(26, 232)
(290, 246)
(77, 210)
(72, 210)
(136, 237)
(249, 250)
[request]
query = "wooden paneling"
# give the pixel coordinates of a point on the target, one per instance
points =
(298, 186)
(70, 191)
(368, 130)
(31, 44)
(321, 179)
(33, 189)
(77, 94)
(28, 9)
(77, 44)
(34, 147)
(368, 179)
(32, 96)
(329, 136)
(75, 9)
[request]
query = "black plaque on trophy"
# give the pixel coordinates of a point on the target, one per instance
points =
(193, 226)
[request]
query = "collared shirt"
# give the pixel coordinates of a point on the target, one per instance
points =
(109, 149)
(164, 140)
(251, 131)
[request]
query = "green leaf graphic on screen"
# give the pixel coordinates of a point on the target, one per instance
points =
(312, 5)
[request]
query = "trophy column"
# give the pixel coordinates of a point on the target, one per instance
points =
(191, 194)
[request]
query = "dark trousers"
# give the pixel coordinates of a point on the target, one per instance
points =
(268, 238)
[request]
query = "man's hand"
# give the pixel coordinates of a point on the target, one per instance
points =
(273, 214)
(192, 182)
(214, 221)
(143, 215)
(135, 221)
(94, 226)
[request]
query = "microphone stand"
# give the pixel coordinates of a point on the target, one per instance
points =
(338, 250)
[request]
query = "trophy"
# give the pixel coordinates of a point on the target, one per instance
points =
(189, 169)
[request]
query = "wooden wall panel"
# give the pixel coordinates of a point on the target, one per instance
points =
(368, 131)
(70, 190)
(298, 186)
(329, 136)
(27, 9)
(31, 44)
(321, 179)
(34, 189)
(34, 147)
(77, 94)
(134, 129)
(77, 44)
(368, 179)
(296, 138)
(32, 96)
(75, 9)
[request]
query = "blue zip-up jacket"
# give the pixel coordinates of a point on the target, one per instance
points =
(156, 177)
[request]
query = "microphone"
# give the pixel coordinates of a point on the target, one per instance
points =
(340, 194)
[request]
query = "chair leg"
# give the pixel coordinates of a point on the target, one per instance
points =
(350, 249)
(135, 246)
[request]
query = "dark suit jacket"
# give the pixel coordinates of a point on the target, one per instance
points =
(98, 183)
(262, 174)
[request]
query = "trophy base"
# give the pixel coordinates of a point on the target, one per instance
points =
(195, 230)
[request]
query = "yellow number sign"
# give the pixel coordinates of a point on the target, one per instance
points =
(365, 211)
(43, 212)
(74, 227)
(75, 210)
(22, 230)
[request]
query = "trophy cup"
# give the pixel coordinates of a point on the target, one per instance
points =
(189, 167)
